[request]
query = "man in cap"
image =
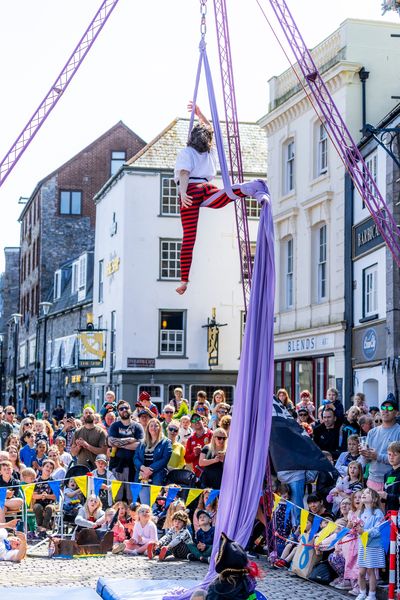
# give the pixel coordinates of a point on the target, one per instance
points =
(378, 440)
(200, 437)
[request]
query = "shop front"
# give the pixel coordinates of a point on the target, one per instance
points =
(308, 362)
(370, 363)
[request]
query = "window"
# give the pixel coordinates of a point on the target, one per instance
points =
(252, 255)
(289, 274)
(372, 166)
(22, 355)
(322, 153)
(118, 157)
(70, 202)
(242, 327)
(288, 183)
(253, 208)
(82, 272)
(172, 333)
(100, 322)
(74, 277)
(170, 251)
(32, 350)
(169, 196)
(57, 285)
(370, 291)
(101, 279)
(322, 264)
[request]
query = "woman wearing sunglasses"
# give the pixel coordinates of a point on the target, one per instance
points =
(212, 458)
(177, 460)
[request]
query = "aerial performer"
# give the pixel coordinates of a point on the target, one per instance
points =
(195, 168)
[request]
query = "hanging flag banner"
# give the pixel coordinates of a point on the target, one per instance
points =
(303, 520)
(135, 491)
(115, 487)
(90, 349)
(364, 541)
(315, 527)
(55, 487)
(276, 502)
(154, 492)
(81, 482)
(192, 495)
(172, 493)
(339, 537)
(97, 483)
(213, 495)
(326, 532)
(3, 493)
(28, 490)
(288, 511)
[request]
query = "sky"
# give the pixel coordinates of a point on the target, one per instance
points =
(140, 70)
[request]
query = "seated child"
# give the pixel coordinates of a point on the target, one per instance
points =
(175, 541)
(203, 539)
(72, 498)
(144, 533)
(28, 475)
(12, 548)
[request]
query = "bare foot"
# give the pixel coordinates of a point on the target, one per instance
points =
(182, 288)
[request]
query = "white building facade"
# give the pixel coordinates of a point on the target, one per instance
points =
(307, 181)
(156, 339)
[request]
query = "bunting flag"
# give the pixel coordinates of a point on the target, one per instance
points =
(276, 502)
(3, 493)
(342, 533)
(115, 487)
(97, 483)
(192, 495)
(315, 527)
(303, 520)
(28, 490)
(135, 491)
(213, 494)
(288, 512)
(55, 487)
(154, 492)
(172, 493)
(385, 535)
(364, 541)
(81, 482)
(326, 532)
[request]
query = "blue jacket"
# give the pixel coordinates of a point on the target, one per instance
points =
(162, 454)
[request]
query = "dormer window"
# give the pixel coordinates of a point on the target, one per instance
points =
(57, 285)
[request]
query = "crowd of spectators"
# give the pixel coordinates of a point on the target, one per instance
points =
(363, 447)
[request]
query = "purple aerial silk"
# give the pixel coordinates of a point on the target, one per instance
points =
(247, 453)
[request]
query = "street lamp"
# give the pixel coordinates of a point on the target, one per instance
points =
(1, 366)
(16, 317)
(45, 306)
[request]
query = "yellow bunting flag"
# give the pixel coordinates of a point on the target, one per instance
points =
(192, 495)
(326, 532)
(154, 492)
(81, 482)
(28, 492)
(364, 541)
(276, 502)
(115, 487)
(303, 520)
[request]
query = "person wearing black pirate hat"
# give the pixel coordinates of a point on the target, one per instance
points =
(236, 575)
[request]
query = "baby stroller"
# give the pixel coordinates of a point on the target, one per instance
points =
(67, 515)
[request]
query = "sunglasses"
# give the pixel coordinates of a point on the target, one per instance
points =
(378, 421)
(195, 420)
(220, 437)
(168, 412)
(10, 413)
(173, 429)
(28, 424)
(121, 408)
(389, 408)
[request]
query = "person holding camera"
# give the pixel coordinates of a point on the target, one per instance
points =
(212, 458)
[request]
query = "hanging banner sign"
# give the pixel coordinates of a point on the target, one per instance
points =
(91, 349)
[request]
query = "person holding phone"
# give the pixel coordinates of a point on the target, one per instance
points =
(67, 430)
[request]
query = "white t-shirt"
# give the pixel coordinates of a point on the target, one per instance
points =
(199, 164)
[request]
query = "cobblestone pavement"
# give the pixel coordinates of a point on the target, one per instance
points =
(41, 571)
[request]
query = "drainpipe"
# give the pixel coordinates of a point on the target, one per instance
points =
(363, 75)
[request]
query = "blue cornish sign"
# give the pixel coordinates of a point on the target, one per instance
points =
(369, 344)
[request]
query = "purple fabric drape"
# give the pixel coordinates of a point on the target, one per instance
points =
(246, 458)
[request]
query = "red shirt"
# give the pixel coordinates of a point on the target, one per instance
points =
(193, 441)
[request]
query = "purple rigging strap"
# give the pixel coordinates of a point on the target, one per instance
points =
(244, 465)
(203, 59)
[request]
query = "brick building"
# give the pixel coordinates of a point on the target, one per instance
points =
(58, 223)
(9, 303)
